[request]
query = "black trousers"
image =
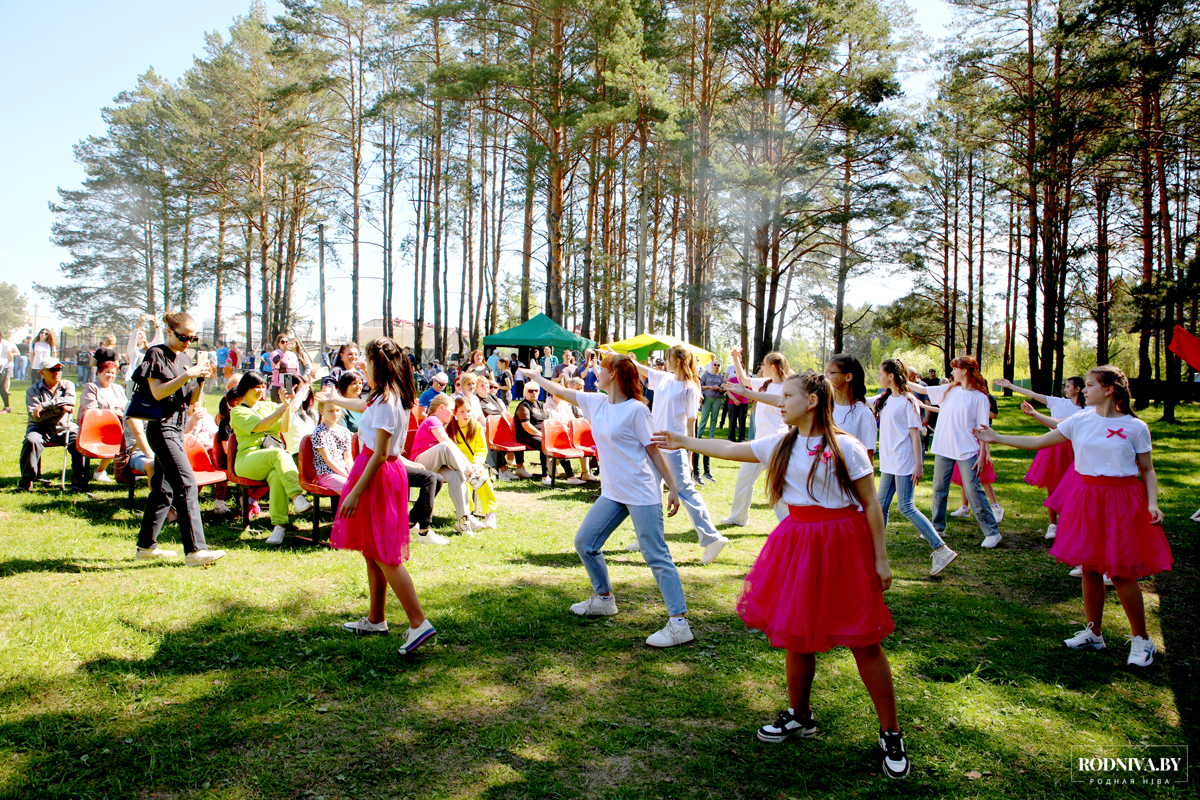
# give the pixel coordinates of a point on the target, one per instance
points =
(737, 421)
(36, 440)
(696, 464)
(565, 462)
(429, 484)
(173, 483)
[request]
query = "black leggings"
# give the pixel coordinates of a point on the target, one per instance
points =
(429, 483)
(173, 483)
(737, 421)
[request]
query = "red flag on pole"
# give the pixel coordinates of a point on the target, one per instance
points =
(1186, 346)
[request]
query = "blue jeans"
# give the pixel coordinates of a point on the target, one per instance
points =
(981, 507)
(601, 520)
(677, 462)
(890, 485)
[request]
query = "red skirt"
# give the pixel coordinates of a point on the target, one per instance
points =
(379, 527)
(1049, 466)
(1105, 526)
(1069, 484)
(813, 587)
(987, 476)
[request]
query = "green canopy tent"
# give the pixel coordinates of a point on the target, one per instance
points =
(538, 332)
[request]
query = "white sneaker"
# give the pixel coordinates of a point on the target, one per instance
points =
(507, 475)
(961, 511)
(220, 507)
(478, 524)
(152, 553)
(101, 477)
(415, 637)
(364, 626)
(1141, 652)
(414, 529)
(1051, 530)
(1107, 580)
(276, 536)
(1077, 572)
(941, 559)
(202, 558)
(713, 550)
(521, 472)
(430, 537)
(545, 481)
(464, 526)
(674, 633)
(634, 547)
(596, 606)
(301, 504)
(489, 521)
(731, 521)
(1085, 638)
(573, 481)
(590, 476)
(998, 513)
(990, 541)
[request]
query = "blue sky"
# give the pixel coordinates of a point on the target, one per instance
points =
(66, 61)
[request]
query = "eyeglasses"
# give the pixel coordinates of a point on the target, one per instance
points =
(184, 339)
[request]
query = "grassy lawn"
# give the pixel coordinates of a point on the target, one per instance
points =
(122, 678)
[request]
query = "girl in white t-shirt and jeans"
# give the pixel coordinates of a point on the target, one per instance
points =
(631, 467)
(767, 422)
(819, 581)
(1112, 524)
(372, 514)
(963, 405)
(848, 379)
(902, 458)
(676, 406)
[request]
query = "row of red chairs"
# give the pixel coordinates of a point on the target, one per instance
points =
(559, 441)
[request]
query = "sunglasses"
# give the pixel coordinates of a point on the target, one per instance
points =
(56, 369)
(184, 339)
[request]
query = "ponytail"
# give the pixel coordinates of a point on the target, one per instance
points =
(1108, 375)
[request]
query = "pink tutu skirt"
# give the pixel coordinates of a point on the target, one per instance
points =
(813, 586)
(987, 476)
(1105, 526)
(1049, 466)
(379, 527)
(1070, 484)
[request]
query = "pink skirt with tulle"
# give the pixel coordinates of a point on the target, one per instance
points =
(1068, 485)
(987, 476)
(813, 587)
(1105, 526)
(1049, 466)
(379, 527)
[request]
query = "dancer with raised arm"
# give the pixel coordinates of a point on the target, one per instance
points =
(1050, 464)
(676, 405)
(629, 487)
(963, 405)
(819, 581)
(1112, 524)
(767, 423)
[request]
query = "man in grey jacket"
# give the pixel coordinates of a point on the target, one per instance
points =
(50, 401)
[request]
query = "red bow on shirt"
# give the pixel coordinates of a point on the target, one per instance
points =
(1118, 432)
(828, 454)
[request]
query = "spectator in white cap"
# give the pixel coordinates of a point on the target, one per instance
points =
(437, 385)
(50, 402)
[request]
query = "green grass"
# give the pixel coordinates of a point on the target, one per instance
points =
(126, 679)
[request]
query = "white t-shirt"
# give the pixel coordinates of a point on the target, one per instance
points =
(7, 351)
(858, 421)
(960, 410)
(826, 491)
(40, 351)
(768, 419)
(384, 415)
(1061, 407)
(1106, 446)
(622, 431)
(675, 402)
(899, 414)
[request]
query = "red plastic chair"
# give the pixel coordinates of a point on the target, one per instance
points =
(231, 448)
(500, 434)
(581, 436)
(101, 433)
(308, 482)
(410, 437)
(556, 444)
(206, 472)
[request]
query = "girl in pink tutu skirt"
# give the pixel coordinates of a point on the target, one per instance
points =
(819, 581)
(372, 515)
(1112, 523)
(1050, 464)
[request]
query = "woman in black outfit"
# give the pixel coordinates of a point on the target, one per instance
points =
(527, 426)
(165, 380)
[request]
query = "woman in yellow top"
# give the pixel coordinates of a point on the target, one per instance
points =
(253, 420)
(465, 432)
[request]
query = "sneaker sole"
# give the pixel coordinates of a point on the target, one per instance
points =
(363, 631)
(773, 738)
(1086, 646)
(594, 613)
(408, 649)
(942, 568)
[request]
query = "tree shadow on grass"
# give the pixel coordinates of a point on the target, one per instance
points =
(18, 566)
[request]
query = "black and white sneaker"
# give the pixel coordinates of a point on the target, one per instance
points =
(785, 725)
(894, 758)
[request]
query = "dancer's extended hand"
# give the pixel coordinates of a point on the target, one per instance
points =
(985, 434)
(666, 440)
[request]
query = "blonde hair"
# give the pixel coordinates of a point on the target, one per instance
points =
(173, 319)
(779, 362)
(685, 363)
(440, 400)
(467, 381)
